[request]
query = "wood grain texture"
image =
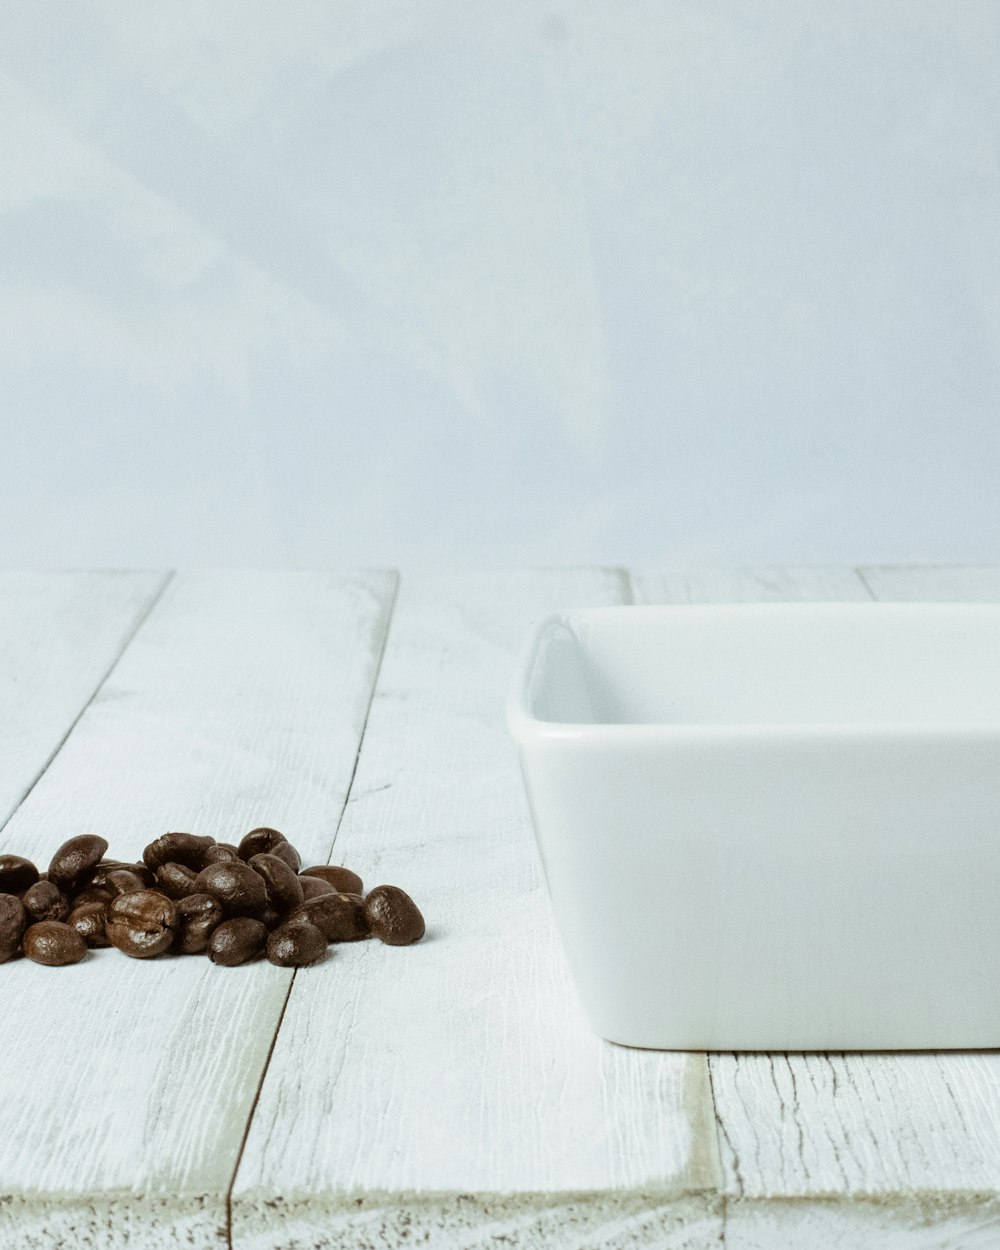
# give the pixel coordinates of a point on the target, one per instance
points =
(59, 635)
(126, 1086)
(451, 1093)
(842, 1151)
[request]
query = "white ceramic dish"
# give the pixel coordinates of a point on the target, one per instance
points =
(771, 826)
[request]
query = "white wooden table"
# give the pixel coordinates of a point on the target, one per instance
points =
(443, 1095)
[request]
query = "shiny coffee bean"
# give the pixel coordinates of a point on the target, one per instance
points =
(13, 922)
(271, 918)
(124, 881)
(238, 888)
(198, 915)
(90, 922)
(283, 889)
(339, 917)
(315, 887)
(53, 943)
(393, 916)
(74, 864)
(259, 842)
(221, 853)
(175, 881)
(93, 894)
(177, 848)
(17, 874)
(108, 866)
(45, 901)
(295, 944)
(287, 852)
(142, 924)
(342, 879)
(236, 941)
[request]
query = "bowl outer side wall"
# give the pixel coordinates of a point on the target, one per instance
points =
(770, 893)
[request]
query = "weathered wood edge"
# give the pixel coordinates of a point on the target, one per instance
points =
(610, 1220)
(906, 1221)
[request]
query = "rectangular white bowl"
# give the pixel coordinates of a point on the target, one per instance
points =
(771, 826)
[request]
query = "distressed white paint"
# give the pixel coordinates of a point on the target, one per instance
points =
(451, 1093)
(59, 635)
(838, 1152)
(126, 1087)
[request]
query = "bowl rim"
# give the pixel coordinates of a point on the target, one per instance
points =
(527, 729)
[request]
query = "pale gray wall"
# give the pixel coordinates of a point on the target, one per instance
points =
(368, 282)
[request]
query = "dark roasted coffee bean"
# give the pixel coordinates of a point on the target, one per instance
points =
(142, 924)
(236, 941)
(238, 888)
(52, 943)
(393, 916)
(13, 922)
(283, 888)
(272, 918)
(45, 901)
(342, 879)
(108, 866)
(146, 875)
(296, 943)
(90, 921)
(313, 887)
(17, 874)
(175, 881)
(93, 894)
(198, 915)
(177, 848)
(259, 842)
(287, 852)
(339, 917)
(124, 881)
(74, 864)
(219, 854)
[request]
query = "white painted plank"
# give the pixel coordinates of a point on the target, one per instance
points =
(837, 1152)
(59, 635)
(873, 1125)
(969, 583)
(126, 1086)
(451, 1093)
(740, 585)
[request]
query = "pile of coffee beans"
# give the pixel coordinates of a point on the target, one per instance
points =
(192, 895)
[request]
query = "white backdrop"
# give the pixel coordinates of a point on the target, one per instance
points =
(308, 283)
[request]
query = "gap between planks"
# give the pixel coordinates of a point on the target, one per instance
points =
(291, 980)
(127, 641)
